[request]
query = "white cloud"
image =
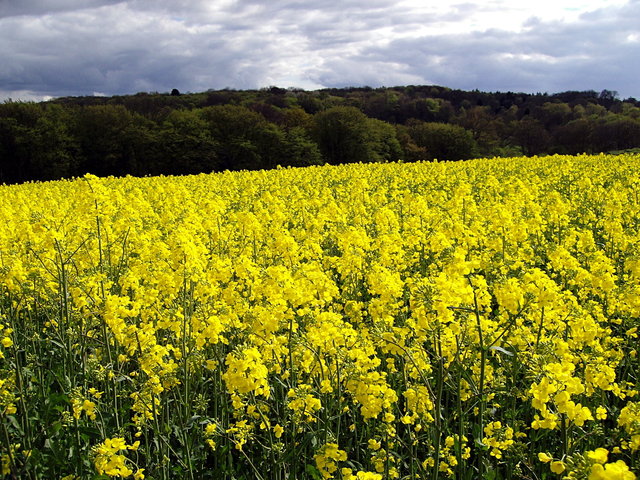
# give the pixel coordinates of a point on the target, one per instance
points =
(81, 47)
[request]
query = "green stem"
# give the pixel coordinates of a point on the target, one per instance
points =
(12, 465)
(564, 433)
(481, 406)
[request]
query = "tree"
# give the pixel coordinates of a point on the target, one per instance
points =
(346, 135)
(296, 117)
(575, 137)
(553, 114)
(35, 142)
(187, 145)
(113, 141)
(300, 150)
(245, 139)
(531, 136)
(383, 141)
(11, 168)
(411, 151)
(608, 97)
(616, 133)
(54, 151)
(484, 127)
(443, 141)
(310, 103)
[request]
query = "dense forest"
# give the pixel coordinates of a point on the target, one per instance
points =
(173, 133)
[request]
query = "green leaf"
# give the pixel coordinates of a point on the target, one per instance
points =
(313, 471)
(14, 423)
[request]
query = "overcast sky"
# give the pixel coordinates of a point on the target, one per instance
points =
(51, 48)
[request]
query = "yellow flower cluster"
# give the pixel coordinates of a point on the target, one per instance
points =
(327, 459)
(427, 317)
(629, 419)
(347, 474)
(109, 461)
(8, 395)
(592, 465)
(498, 438)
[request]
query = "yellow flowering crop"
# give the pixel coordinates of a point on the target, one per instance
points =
(449, 320)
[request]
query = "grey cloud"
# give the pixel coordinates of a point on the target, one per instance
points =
(10, 8)
(204, 45)
(84, 52)
(144, 45)
(592, 53)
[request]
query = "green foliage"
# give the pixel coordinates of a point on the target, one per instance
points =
(246, 140)
(151, 134)
(187, 144)
(443, 141)
(346, 135)
(110, 137)
(531, 136)
(55, 150)
(574, 137)
(300, 149)
(617, 133)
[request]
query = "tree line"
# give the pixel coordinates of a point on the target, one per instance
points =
(153, 134)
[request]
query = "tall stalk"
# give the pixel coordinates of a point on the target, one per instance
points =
(482, 402)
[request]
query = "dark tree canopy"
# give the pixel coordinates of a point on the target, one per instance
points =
(443, 141)
(176, 133)
(346, 135)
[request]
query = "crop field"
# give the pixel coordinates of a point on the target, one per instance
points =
(469, 320)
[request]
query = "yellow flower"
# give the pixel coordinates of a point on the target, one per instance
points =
(599, 455)
(134, 446)
(107, 459)
(368, 476)
(327, 457)
(557, 467)
(325, 386)
(374, 444)
(611, 471)
(95, 393)
(544, 457)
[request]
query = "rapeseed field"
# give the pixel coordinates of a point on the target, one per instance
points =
(470, 320)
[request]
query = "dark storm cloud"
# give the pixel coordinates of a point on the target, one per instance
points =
(75, 47)
(118, 50)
